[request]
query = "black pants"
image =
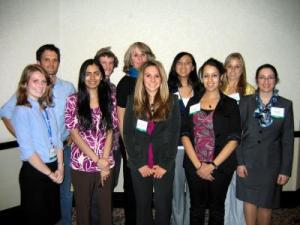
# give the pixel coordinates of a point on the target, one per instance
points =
(39, 196)
(143, 187)
(207, 194)
(129, 205)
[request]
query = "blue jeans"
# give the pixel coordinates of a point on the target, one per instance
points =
(66, 195)
(181, 195)
(234, 214)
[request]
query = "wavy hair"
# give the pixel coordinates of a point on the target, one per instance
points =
(144, 49)
(242, 84)
(162, 102)
(22, 95)
(84, 113)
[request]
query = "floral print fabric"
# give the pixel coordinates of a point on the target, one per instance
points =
(204, 137)
(95, 138)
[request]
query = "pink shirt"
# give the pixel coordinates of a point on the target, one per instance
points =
(95, 138)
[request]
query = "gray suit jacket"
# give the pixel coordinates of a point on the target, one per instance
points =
(269, 148)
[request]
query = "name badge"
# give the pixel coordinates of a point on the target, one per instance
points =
(277, 112)
(141, 125)
(235, 96)
(195, 108)
(52, 154)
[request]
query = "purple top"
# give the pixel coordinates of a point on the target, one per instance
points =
(150, 129)
(204, 137)
(95, 138)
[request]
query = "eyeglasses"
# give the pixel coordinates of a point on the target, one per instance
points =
(266, 78)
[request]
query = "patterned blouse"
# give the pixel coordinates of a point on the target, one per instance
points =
(204, 137)
(95, 138)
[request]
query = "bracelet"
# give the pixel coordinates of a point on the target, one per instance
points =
(214, 165)
(199, 167)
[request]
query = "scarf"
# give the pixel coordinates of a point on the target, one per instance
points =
(263, 112)
(133, 72)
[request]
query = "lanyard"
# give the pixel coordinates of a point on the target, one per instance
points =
(46, 118)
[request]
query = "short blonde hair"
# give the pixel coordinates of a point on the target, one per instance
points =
(162, 102)
(144, 49)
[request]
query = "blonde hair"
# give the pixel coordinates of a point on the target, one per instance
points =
(241, 86)
(162, 102)
(144, 49)
(22, 95)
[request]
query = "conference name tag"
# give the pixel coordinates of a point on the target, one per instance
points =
(277, 112)
(141, 125)
(194, 108)
(52, 153)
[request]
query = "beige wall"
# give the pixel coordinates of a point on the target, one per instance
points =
(263, 31)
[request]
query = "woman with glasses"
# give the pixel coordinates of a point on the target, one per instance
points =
(266, 151)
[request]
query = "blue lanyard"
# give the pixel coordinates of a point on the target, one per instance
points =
(46, 118)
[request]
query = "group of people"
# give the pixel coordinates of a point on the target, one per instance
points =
(199, 141)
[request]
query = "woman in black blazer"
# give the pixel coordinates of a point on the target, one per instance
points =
(265, 155)
(151, 132)
(210, 133)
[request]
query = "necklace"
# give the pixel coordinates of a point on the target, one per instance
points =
(209, 106)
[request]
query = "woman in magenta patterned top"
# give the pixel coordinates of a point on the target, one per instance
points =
(210, 133)
(90, 117)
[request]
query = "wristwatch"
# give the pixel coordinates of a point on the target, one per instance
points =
(214, 165)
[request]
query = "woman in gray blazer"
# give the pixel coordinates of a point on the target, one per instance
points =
(151, 132)
(266, 151)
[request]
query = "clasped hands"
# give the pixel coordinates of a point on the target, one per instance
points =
(205, 171)
(156, 171)
(58, 175)
(104, 165)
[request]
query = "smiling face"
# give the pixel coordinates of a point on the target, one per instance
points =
(152, 80)
(211, 78)
(234, 69)
(138, 58)
(266, 80)
(36, 85)
(184, 66)
(92, 77)
(49, 61)
(107, 64)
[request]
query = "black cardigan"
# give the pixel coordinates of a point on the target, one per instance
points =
(164, 138)
(226, 125)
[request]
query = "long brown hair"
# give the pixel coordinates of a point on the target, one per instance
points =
(162, 102)
(22, 95)
(242, 84)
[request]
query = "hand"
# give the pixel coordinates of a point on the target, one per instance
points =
(145, 171)
(242, 171)
(103, 164)
(69, 140)
(205, 171)
(104, 174)
(158, 172)
(282, 179)
(59, 174)
(56, 177)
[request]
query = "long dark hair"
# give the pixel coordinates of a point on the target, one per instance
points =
(173, 80)
(84, 113)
